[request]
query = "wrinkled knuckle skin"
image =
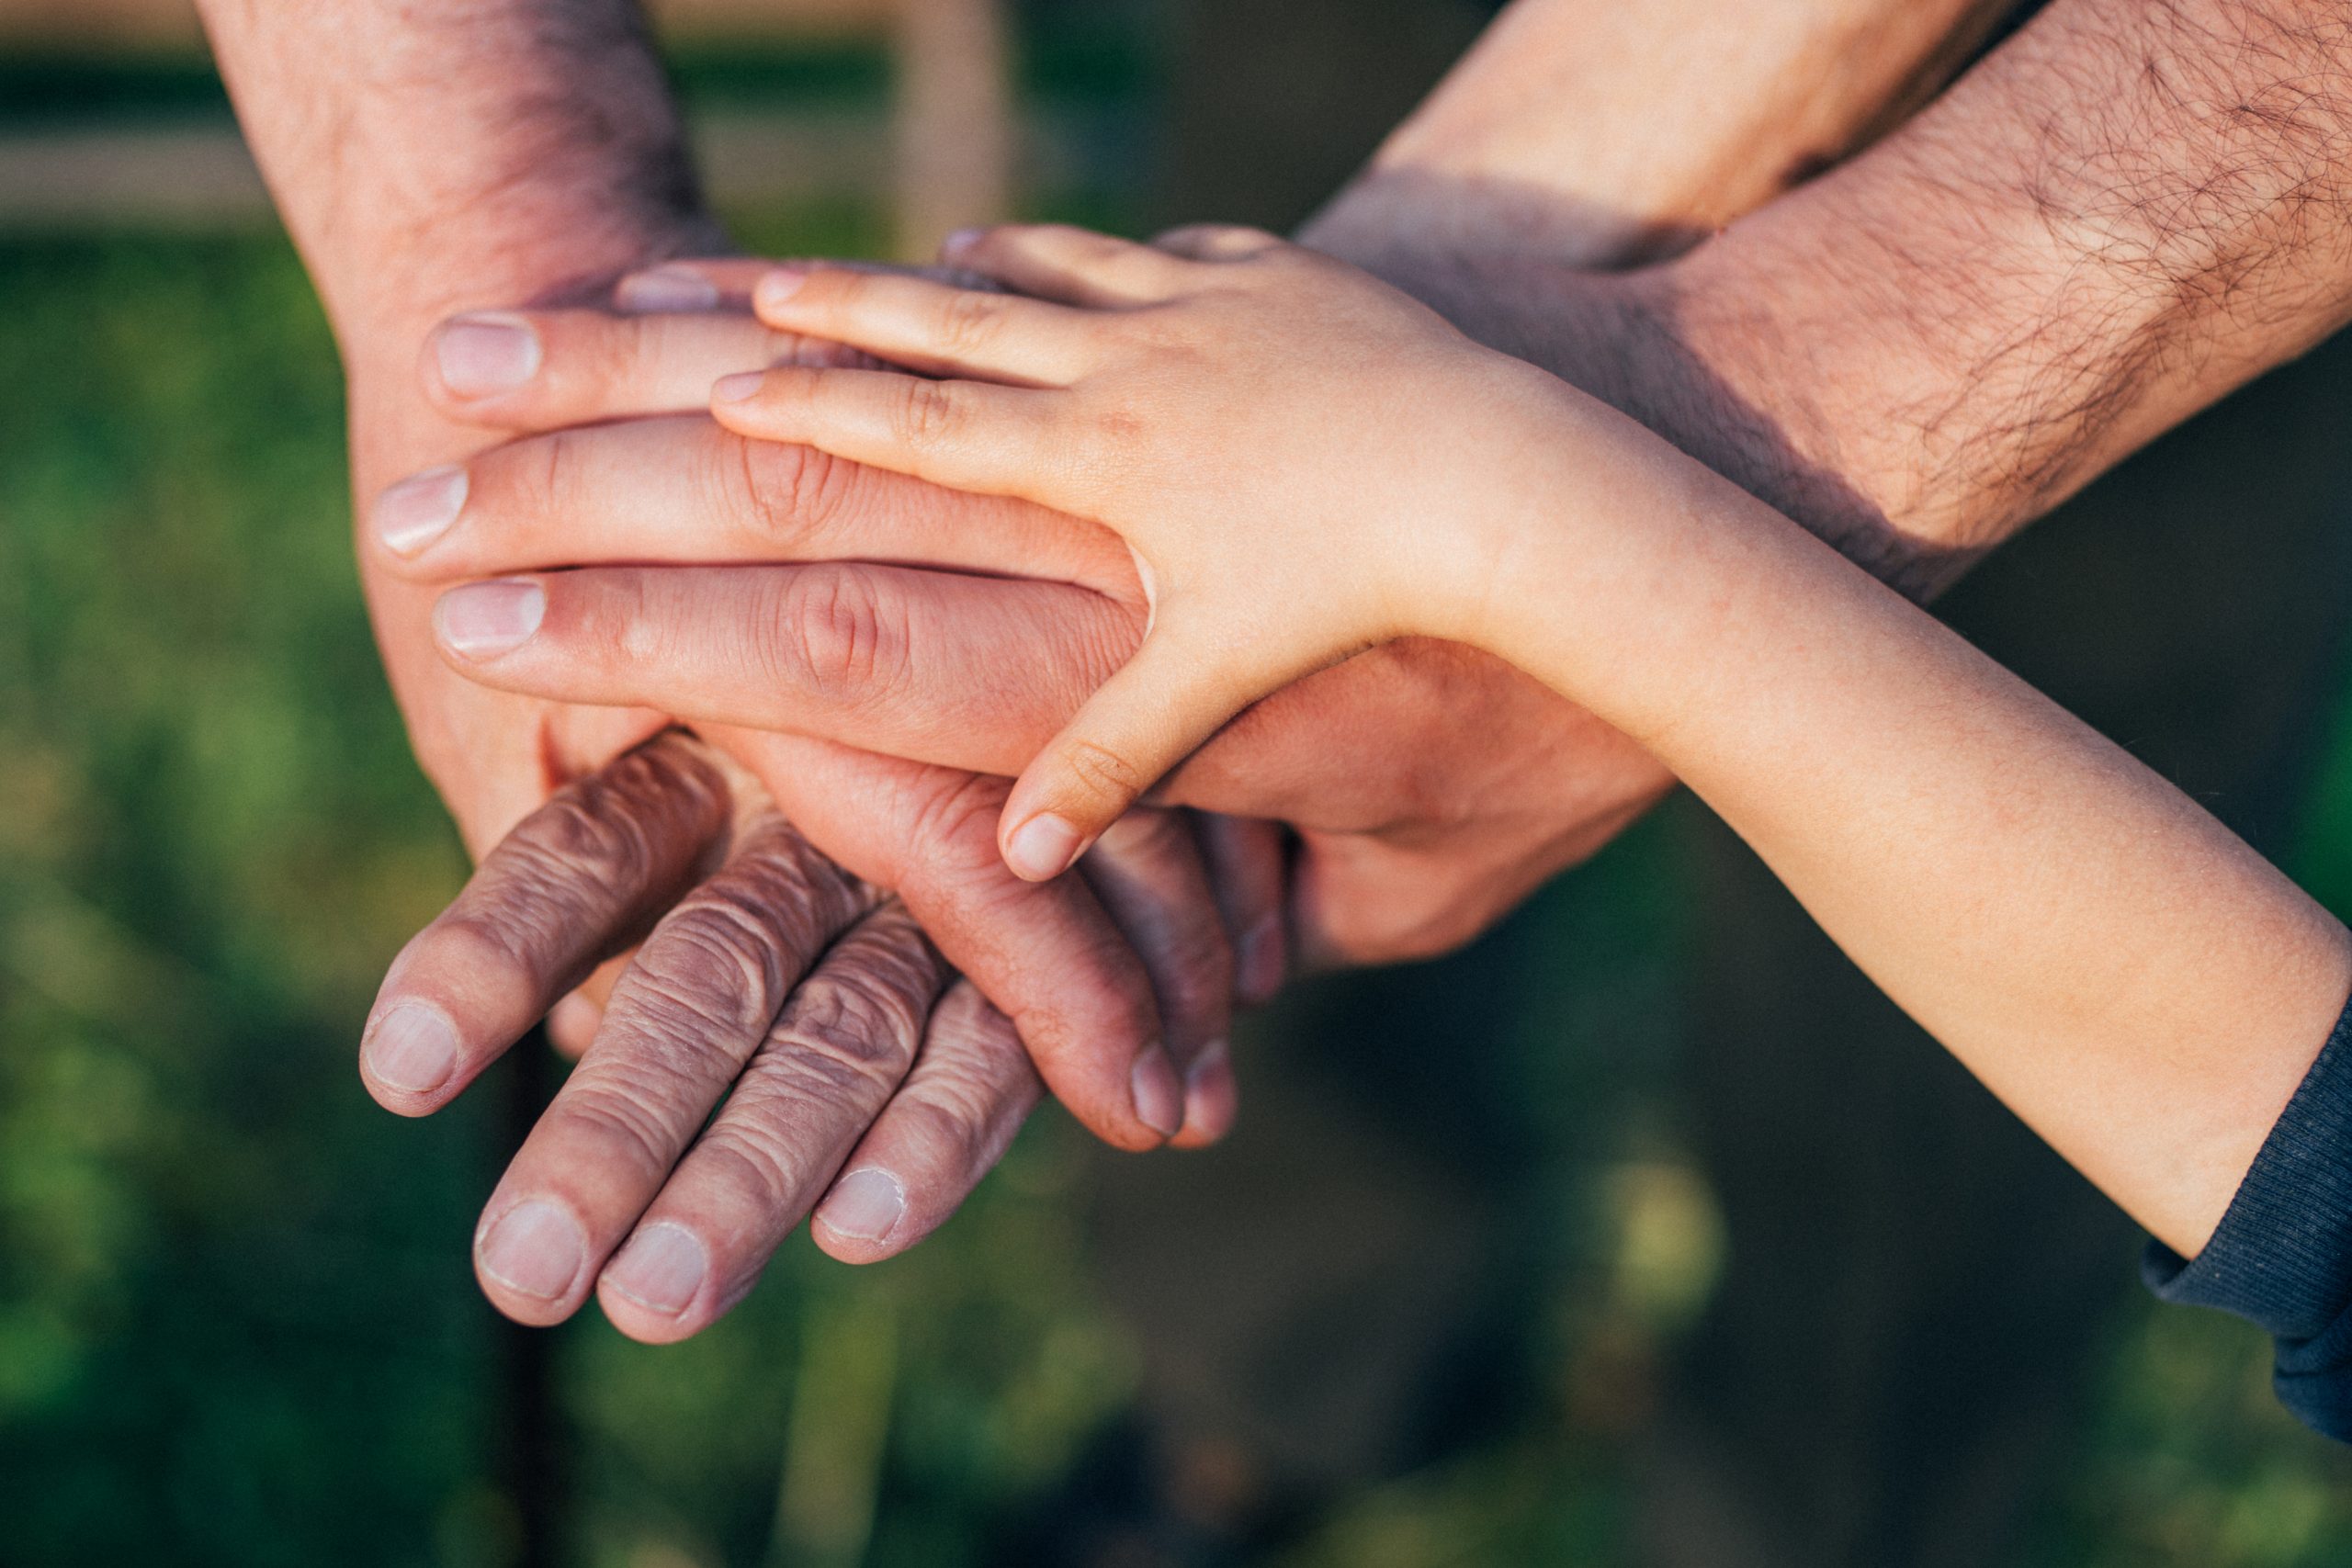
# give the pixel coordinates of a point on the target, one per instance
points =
(615, 1120)
(968, 321)
(756, 1171)
(786, 494)
(834, 633)
(713, 968)
(924, 414)
(953, 829)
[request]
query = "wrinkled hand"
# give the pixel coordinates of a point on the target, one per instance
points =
(1432, 787)
(861, 1078)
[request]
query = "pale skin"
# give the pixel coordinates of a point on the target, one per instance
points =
(2129, 977)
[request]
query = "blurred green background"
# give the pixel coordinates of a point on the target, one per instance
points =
(237, 1324)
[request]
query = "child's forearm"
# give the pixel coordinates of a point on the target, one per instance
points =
(2130, 977)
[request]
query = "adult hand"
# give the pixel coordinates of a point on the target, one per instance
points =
(860, 1077)
(1432, 788)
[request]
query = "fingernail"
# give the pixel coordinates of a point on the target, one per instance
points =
(1215, 1062)
(1042, 848)
(955, 244)
(1209, 1094)
(779, 285)
(412, 1048)
(482, 355)
(482, 620)
(535, 1247)
(419, 509)
(662, 1268)
(1262, 960)
(665, 288)
(740, 387)
(1160, 1098)
(865, 1205)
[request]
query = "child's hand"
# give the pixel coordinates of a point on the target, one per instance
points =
(1304, 461)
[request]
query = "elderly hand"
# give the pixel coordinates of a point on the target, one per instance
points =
(860, 1077)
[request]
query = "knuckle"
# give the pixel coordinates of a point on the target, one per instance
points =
(783, 493)
(834, 632)
(615, 1120)
(922, 414)
(758, 1167)
(715, 966)
(579, 838)
(968, 320)
(954, 826)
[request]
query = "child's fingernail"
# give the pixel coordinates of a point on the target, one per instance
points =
(419, 509)
(480, 356)
(482, 620)
(1160, 1098)
(665, 289)
(740, 387)
(955, 244)
(1042, 848)
(779, 285)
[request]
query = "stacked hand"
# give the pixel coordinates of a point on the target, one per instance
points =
(807, 605)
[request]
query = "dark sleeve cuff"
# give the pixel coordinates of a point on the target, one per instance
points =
(2282, 1254)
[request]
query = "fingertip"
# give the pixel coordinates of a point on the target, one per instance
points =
(1041, 848)
(1158, 1095)
(733, 391)
(1212, 1097)
(573, 1024)
(409, 1056)
(777, 287)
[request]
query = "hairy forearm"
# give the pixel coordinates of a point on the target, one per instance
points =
(429, 156)
(1603, 135)
(2134, 207)
(2125, 212)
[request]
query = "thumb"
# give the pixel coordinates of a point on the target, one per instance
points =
(1158, 709)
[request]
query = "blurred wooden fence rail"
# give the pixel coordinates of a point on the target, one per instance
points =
(952, 151)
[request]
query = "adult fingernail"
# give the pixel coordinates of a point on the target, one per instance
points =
(419, 510)
(740, 387)
(956, 243)
(1260, 964)
(535, 1248)
(480, 356)
(414, 1047)
(665, 288)
(482, 620)
(1042, 848)
(779, 285)
(1160, 1098)
(662, 1268)
(1210, 1067)
(865, 1205)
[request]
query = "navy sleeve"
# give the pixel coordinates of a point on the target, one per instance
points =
(2282, 1254)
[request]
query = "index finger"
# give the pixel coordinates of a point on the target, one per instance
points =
(580, 878)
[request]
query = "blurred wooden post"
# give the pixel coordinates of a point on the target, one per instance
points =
(955, 119)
